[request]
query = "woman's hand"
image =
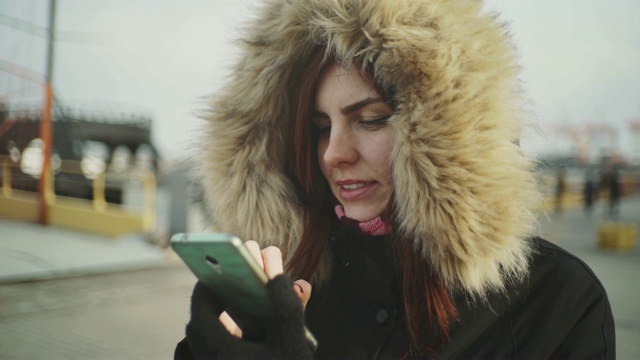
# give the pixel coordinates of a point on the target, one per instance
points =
(269, 259)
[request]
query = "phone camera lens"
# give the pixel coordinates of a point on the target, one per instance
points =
(213, 262)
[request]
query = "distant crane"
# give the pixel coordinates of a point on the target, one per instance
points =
(589, 136)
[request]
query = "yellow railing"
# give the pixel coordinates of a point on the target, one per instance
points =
(96, 215)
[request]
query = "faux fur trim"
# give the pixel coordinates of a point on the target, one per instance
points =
(464, 190)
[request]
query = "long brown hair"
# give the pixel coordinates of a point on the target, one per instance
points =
(422, 287)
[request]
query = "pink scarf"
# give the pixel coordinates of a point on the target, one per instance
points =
(372, 227)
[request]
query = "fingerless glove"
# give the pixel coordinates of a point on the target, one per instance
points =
(282, 337)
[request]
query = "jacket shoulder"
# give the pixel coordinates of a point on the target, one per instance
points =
(183, 351)
(560, 268)
(563, 308)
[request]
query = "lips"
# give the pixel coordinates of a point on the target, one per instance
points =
(354, 190)
(353, 186)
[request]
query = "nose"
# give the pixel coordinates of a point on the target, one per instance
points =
(341, 150)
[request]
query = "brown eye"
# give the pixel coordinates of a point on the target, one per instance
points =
(376, 124)
(324, 130)
(322, 126)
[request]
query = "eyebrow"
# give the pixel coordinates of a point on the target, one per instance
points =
(353, 107)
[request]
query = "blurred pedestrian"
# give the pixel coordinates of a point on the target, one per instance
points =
(560, 189)
(614, 187)
(590, 190)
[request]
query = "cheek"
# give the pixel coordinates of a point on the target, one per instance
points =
(381, 157)
(322, 147)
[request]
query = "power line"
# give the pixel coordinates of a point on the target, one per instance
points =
(22, 25)
(22, 72)
(82, 37)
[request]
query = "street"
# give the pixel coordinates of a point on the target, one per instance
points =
(122, 315)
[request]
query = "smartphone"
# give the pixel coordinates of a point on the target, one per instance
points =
(222, 263)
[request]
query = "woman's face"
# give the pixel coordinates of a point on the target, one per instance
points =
(354, 142)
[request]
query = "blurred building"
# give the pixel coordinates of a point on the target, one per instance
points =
(87, 141)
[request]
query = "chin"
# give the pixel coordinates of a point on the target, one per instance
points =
(362, 216)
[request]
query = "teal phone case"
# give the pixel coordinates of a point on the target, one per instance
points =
(221, 262)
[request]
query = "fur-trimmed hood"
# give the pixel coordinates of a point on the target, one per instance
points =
(463, 188)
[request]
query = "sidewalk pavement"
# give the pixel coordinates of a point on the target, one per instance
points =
(30, 251)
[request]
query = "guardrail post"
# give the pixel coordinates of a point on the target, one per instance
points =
(149, 190)
(49, 190)
(6, 178)
(99, 201)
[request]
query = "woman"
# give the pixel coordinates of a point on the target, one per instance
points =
(374, 145)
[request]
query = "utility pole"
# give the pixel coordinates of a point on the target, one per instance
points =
(45, 188)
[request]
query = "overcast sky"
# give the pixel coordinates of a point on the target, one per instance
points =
(580, 59)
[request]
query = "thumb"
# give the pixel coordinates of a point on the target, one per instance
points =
(303, 290)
